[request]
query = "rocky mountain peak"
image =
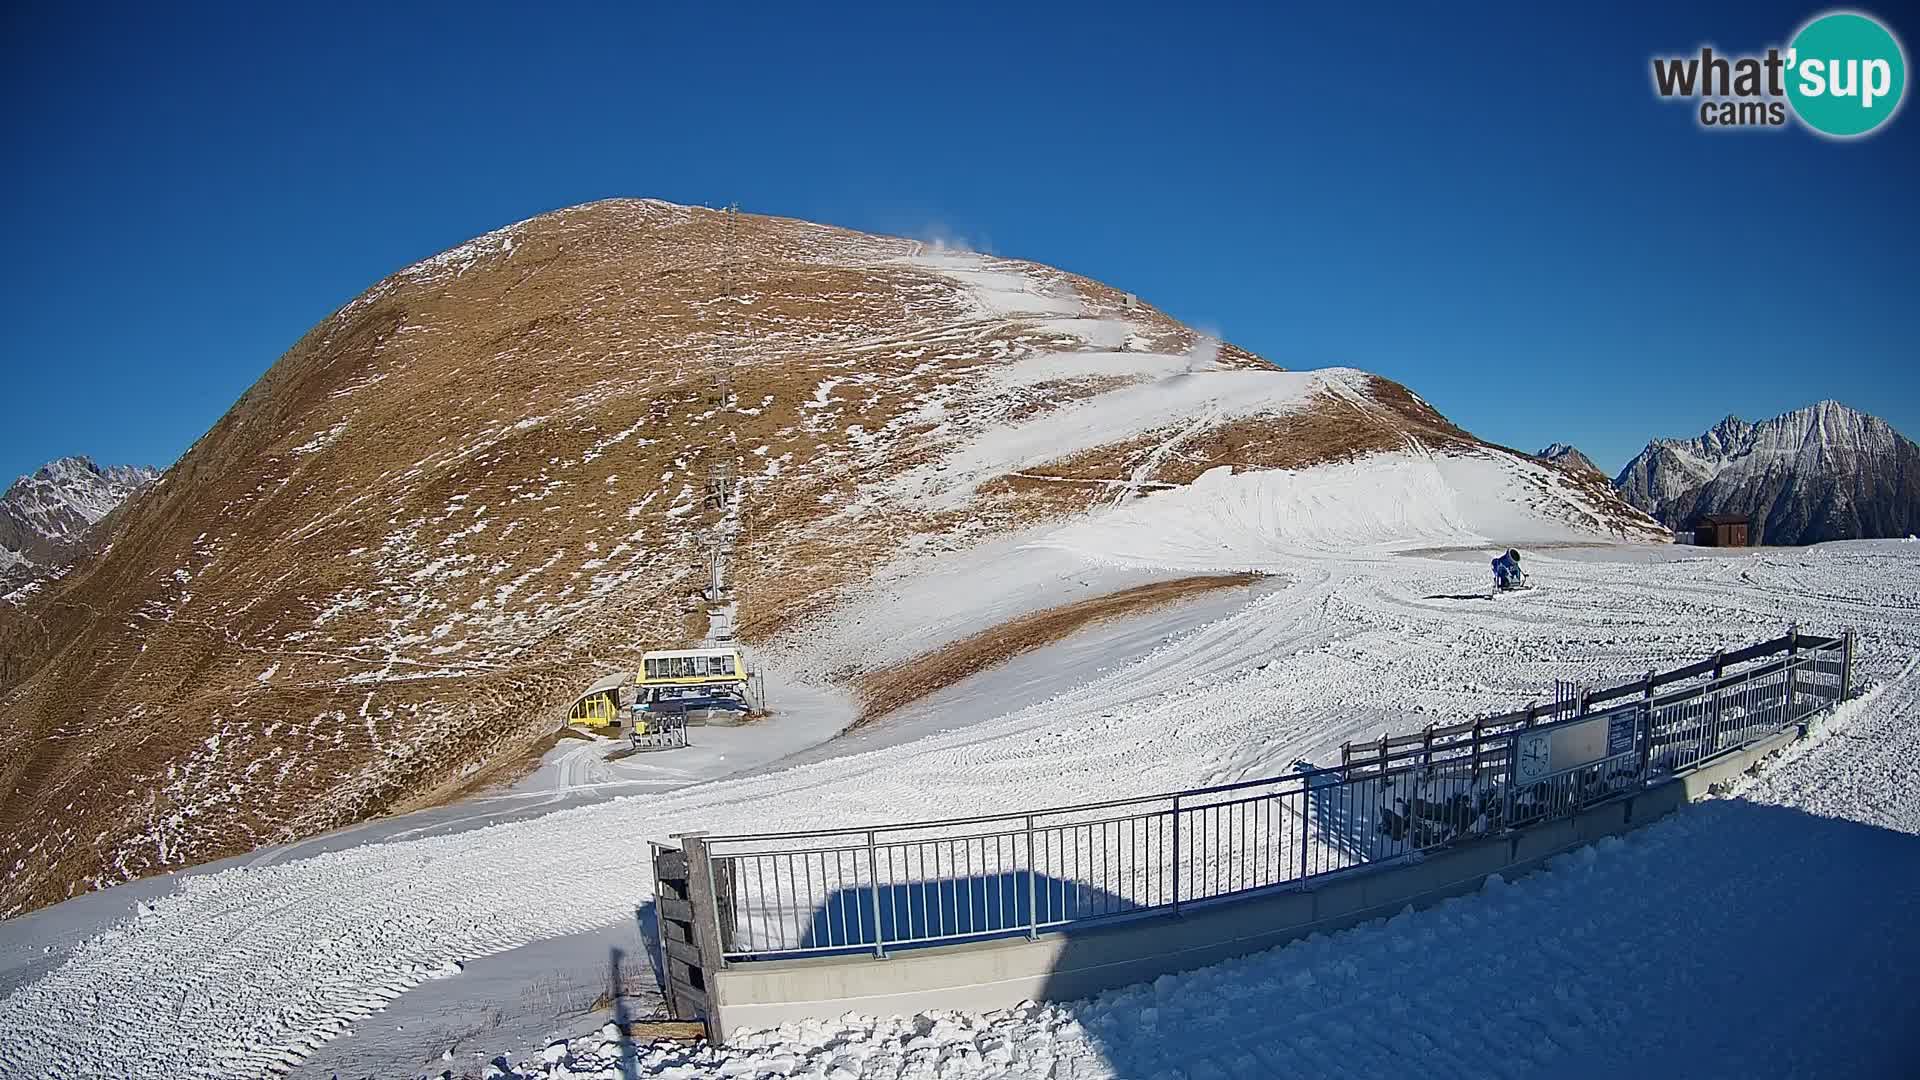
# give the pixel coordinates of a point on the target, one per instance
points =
(46, 514)
(1824, 472)
(1567, 456)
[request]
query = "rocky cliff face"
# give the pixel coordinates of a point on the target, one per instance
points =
(1826, 472)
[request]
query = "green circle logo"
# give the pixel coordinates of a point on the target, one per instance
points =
(1846, 74)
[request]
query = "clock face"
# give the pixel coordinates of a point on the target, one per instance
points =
(1533, 756)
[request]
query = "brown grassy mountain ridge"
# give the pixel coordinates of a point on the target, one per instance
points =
(481, 484)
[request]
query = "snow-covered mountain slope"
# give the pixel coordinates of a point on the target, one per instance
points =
(260, 964)
(46, 516)
(1826, 472)
(482, 484)
(1397, 500)
(1569, 457)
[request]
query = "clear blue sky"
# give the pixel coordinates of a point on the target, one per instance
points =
(1486, 203)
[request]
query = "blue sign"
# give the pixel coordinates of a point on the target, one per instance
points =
(1621, 727)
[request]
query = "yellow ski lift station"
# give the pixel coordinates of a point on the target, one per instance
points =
(600, 706)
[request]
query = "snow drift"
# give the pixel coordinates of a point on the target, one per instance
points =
(1381, 502)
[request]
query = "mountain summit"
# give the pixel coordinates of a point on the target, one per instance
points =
(489, 481)
(1825, 472)
(1567, 457)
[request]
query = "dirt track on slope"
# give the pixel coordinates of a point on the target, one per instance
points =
(883, 691)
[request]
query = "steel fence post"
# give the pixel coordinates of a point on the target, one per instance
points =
(1793, 672)
(1033, 886)
(1719, 672)
(1513, 778)
(1646, 723)
(1474, 771)
(1173, 870)
(873, 893)
(1846, 664)
(1306, 827)
(1645, 733)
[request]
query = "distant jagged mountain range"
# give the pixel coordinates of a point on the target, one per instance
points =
(45, 517)
(1826, 472)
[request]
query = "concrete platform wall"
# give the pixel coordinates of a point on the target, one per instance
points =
(1069, 964)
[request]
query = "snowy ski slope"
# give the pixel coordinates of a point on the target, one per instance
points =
(1767, 934)
(246, 970)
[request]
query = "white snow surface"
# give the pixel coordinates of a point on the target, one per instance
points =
(250, 968)
(998, 287)
(1748, 936)
(1260, 520)
(1769, 932)
(1048, 367)
(1181, 400)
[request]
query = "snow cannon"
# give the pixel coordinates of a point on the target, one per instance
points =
(1507, 575)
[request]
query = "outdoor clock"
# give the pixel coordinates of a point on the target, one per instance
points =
(1533, 756)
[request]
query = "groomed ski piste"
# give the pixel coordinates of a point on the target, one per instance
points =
(1772, 929)
(1769, 932)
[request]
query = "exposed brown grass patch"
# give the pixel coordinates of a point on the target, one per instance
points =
(891, 688)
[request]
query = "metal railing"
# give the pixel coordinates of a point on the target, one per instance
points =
(905, 885)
